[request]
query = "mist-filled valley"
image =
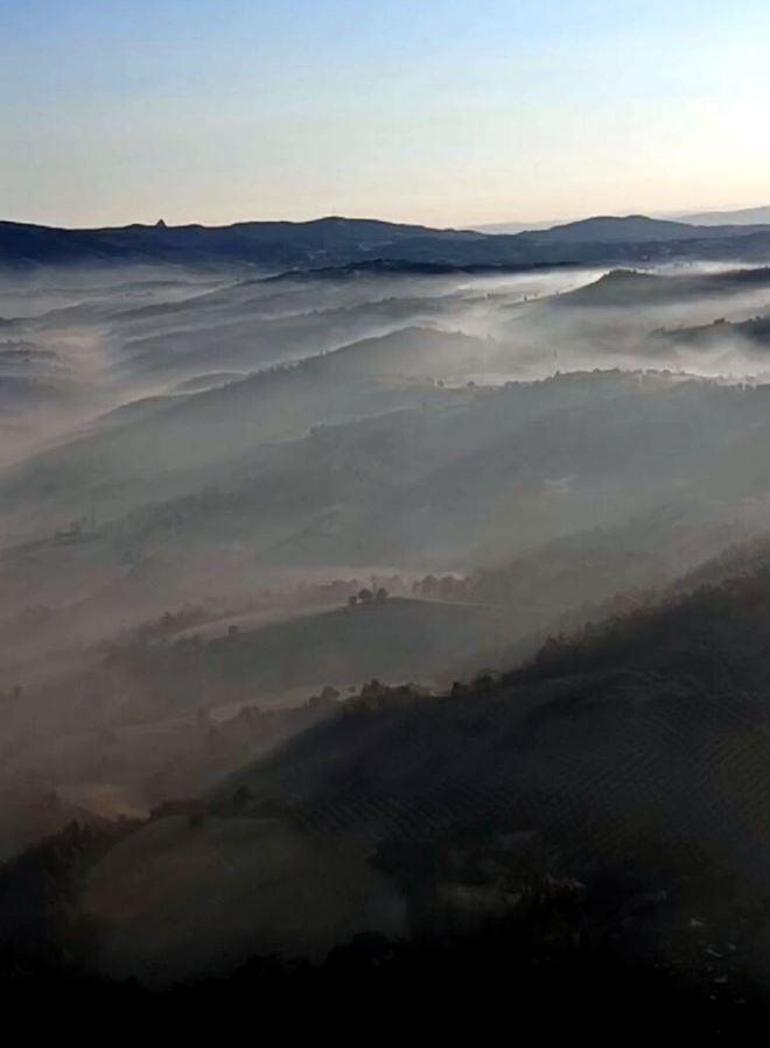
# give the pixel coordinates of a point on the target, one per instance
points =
(399, 596)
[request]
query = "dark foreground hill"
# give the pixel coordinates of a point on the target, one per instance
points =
(634, 760)
(610, 799)
(539, 967)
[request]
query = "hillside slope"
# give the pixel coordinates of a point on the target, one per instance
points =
(646, 738)
(638, 753)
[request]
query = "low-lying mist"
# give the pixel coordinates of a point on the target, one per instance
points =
(238, 510)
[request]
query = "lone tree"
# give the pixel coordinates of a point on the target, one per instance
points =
(366, 596)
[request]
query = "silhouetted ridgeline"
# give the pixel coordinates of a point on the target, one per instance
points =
(335, 241)
(716, 635)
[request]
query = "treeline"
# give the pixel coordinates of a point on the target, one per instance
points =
(42, 926)
(375, 696)
(717, 634)
(559, 963)
(164, 627)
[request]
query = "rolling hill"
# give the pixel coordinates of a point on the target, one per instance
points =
(186, 441)
(637, 752)
(622, 287)
(743, 216)
(751, 335)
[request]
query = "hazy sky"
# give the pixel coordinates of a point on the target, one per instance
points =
(449, 112)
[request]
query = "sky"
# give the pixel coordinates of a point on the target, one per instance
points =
(447, 112)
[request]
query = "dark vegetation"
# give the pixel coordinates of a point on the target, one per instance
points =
(44, 934)
(716, 634)
(505, 903)
(559, 952)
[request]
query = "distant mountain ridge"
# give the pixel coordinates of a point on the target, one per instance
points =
(336, 241)
(741, 217)
(632, 228)
(744, 216)
(279, 244)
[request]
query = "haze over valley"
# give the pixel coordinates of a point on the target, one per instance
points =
(243, 505)
(385, 570)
